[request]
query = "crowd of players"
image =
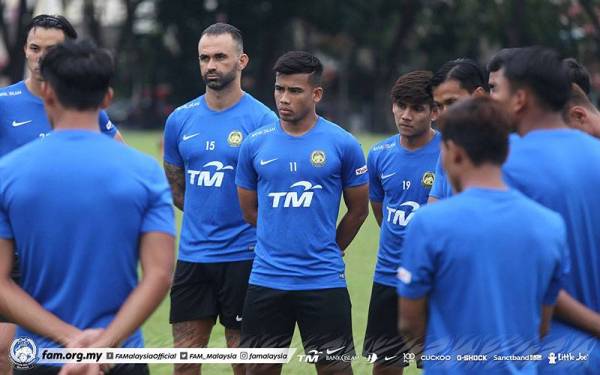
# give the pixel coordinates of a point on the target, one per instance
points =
(503, 260)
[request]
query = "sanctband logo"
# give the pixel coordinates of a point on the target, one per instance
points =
(23, 353)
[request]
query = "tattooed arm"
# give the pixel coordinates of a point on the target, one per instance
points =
(176, 177)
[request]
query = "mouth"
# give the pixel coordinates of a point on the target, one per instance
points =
(285, 111)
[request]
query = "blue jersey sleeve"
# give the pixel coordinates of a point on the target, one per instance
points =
(562, 268)
(415, 276)
(440, 183)
(267, 119)
(376, 192)
(170, 142)
(159, 215)
(246, 176)
(106, 126)
(354, 166)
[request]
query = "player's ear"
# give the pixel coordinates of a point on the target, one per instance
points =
(317, 94)
(435, 112)
(577, 117)
(108, 97)
(244, 60)
(48, 94)
(479, 91)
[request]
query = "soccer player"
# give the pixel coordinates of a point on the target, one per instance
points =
(202, 140)
(555, 166)
(22, 115)
(291, 176)
(580, 113)
(81, 211)
(456, 80)
(486, 286)
(400, 177)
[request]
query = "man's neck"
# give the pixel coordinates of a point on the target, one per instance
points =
(416, 142)
(486, 176)
(34, 86)
(300, 127)
(77, 120)
(228, 96)
(538, 119)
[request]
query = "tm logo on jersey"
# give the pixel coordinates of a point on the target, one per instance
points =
(397, 216)
(210, 177)
(295, 199)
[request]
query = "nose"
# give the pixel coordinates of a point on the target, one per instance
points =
(211, 66)
(283, 99)
(406, 114)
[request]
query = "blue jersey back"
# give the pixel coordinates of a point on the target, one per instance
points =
(502, 250)
(299, 183)
(76, 204)
(23, 118)
(206, 144)
(559, 169)
(401, 180)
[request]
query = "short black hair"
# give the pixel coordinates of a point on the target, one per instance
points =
(578, 74)
(413, 88)
(300, 62)
(79, 72)
(467, 72)
(47, 21)
(225, 28)
(537, 68)
(480, 126)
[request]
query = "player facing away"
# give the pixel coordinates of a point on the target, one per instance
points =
(82, 211)
(400, 177)
(547, 164)
(456, 80)
(580, 113)
(202, 140)
(23, 119)
(291, 176)
(488, 285)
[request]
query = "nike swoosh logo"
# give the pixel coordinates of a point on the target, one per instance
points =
(384, 176)
(388, 358)
(186, 137)
(265, 162)
(334, 350)
(15, 124)
(238, 318)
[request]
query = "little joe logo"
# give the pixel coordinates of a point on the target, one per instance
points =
(23, 353)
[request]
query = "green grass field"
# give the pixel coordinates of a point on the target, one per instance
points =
(360, 263)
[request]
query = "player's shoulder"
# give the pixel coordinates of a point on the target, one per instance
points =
(188, 107)
(13, 91)
(254, 105)
(263, 132)
(532, 211)
(385, 145)
(336, 133)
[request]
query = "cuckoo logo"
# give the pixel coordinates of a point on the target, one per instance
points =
(294, 199)
(212, 177)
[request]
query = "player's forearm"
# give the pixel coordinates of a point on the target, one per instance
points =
(349, 226)
(140, 304)
(19, 307)
(577, 314)
(176, 178)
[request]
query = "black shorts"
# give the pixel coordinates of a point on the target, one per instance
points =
(206, 290)
(382, 338)
(323, 316)
(122, 369)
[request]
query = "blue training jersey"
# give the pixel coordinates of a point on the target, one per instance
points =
(506, 253)
(299, 182)
(23, 118)
(441, 188)
(400, 179)
(558, 169)
(76, 204)
(206, 144)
